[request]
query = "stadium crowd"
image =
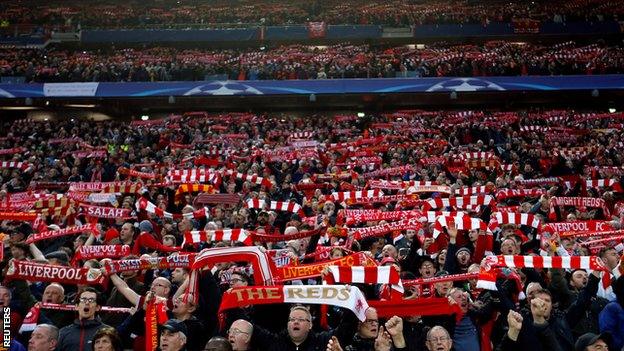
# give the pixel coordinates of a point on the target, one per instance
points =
(177, 14)
(304, 62)
(470, 230)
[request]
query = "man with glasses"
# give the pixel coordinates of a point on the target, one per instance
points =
(299, 335)
(239, 335)
(439, 339)
(78, 335)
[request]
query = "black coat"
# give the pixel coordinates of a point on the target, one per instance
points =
(316, 341)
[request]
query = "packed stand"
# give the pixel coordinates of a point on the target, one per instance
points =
(305, 62)
(430, 229)
(397, 13)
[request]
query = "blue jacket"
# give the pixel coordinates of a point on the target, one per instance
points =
(611, 320)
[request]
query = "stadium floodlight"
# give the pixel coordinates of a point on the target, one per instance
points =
(612, 110)
(361, 114)
(453, 95)
(595, 93)
(144, 118)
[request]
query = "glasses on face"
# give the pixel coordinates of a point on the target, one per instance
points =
(236, 332)
(439, 339)
(300, 320)
(371, 321)
(600, 347)
(87, 299)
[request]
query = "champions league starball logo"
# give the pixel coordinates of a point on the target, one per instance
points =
(465, 85)
(224, 88)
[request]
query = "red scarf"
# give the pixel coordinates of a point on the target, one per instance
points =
(101, 251)
(106, 212)
(315, 269)
(350, 298)
(19, 216)
(383, 229)
(169, 262)
(578, 202)
(416, 307)
(25, 270)
(59, 233)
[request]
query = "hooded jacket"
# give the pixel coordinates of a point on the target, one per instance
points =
(78, 336)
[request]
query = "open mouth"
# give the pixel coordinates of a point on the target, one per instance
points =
(86, 310)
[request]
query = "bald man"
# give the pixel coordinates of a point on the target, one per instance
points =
(239, 335)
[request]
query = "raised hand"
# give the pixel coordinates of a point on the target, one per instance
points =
(333, 345)
(383, 341)
(394, 326)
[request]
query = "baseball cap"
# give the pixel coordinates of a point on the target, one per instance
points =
(175, 326)
(588, 339)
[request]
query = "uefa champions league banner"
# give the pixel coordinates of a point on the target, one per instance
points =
(306, 87)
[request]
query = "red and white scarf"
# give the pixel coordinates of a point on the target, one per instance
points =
(350, 298)
(31, 271)
(199, 236)
(482, 155)
(487, 276)
(564, 228)
(464, 202)
(461, 223)
(289, 206)
(194, 175)
(578, 202)
(398, 184)
(313, 270)
(19, 216)
(263, 266)
(527, 219)
(483, 189)
(22, 166)
(539, 181)
(15, 150)
(603, 183)
(503, 194)
(367, 275)
(59, 233)
(135, 173)
(106, 212)
(351, 217)
(442, 279)
(408, 199)
(256, 203)
(87, 252)
(149, 207)
(346, 195)
(169, 262)
(383, 229)
(253, 178)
